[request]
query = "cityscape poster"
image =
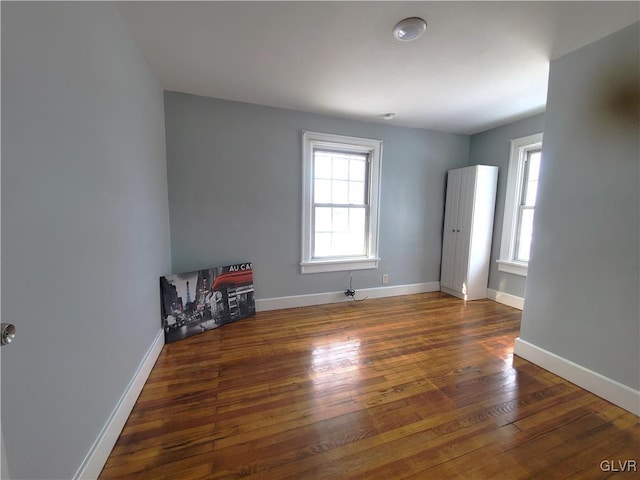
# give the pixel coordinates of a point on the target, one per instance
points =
(195, 302)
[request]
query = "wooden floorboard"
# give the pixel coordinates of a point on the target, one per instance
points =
(413, 387)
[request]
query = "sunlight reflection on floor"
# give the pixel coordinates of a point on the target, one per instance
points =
(335, 363)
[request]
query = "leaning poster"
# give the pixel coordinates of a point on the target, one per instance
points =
(194, 302)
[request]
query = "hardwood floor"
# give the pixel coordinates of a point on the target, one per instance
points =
(413, 387)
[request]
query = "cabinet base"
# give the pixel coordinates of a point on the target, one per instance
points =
(461, 295)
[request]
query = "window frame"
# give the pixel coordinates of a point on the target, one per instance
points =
(520, 147)
(312, 141)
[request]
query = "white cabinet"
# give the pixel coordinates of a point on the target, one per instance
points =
(468, 228)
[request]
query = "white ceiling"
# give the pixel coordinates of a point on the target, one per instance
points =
(479, 64)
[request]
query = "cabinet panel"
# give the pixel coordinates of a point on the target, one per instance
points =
(452, 202)
(450, 228)
(461, 261)
(466, 199)
(448, 258)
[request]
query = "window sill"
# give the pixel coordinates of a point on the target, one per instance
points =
(516, 268)
(322, 266)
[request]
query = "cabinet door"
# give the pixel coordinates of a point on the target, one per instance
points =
(463, 230)
(450, 229)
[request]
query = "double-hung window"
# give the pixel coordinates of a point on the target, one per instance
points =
(520, 202)
(341, 182)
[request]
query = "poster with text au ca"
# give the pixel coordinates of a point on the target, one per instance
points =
(194, 302)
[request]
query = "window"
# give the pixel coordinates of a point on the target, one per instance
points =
(341, 182)
(520, 202)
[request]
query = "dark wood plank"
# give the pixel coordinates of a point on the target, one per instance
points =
(412, 387)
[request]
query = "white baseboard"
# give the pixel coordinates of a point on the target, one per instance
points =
(505, 298)
(99, 452)
(615, 392)
(277, 303)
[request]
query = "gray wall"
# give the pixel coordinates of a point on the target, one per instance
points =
(85, 230)
(582, 288)
(235, 173)
(493, 148)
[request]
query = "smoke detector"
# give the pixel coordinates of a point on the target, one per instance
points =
(409, 29)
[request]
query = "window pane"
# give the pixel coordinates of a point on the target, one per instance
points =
(357, 243)
(530, 193)
(356, 193)
(530, 185)
(340, 220)
(328, 245)
(322, 245)
(534, 164)
(340, 167)
(357, 219)
(322, 165)
(322, 191)
(323, 219)
(357, 169)
(525, 232)
(348, 244)
(340, 193)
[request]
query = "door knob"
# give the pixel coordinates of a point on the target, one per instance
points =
(7, 333)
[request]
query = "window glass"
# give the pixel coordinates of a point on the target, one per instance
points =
(524, 236)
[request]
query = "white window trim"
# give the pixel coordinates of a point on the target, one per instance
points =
(310, 141)
(519, 149)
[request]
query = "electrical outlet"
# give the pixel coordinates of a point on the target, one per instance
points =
(385, 278)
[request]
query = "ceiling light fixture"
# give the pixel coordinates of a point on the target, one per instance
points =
(409, 29)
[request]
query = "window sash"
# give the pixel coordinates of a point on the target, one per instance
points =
(351, 156)
(525, 205)
(335, 233)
